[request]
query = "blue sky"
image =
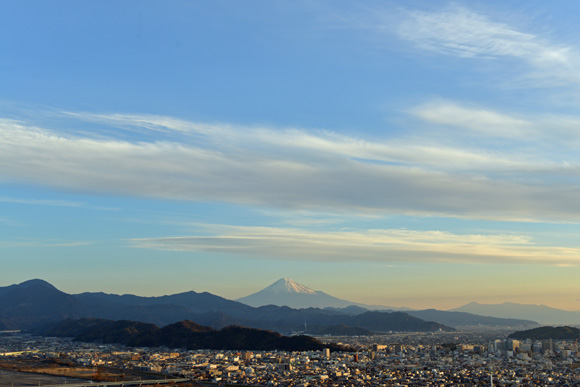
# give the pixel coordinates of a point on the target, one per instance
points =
(420, 154)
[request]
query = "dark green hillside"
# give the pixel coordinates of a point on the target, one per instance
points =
(546, 333)
(395, 321)
(183, 334)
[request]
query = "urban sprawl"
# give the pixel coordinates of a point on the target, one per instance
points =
(426, 359)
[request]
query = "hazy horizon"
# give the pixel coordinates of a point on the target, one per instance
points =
(419, 154)
(424, 303)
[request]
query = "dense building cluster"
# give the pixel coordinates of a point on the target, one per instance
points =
(458, 359)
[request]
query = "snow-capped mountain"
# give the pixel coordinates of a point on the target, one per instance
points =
(286, 285)
(286, 292)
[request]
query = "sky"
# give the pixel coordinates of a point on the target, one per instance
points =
(420, 153)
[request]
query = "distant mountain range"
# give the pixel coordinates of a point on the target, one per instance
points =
(34, 303)
(182, 334)
(286, 292)
(461, 320)
(540, 313)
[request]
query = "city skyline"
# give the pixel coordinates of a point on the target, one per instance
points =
(420, 155)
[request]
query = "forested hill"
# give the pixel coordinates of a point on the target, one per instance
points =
(547, 333)
(183, 334)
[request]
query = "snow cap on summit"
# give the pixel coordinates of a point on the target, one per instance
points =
(286, 285)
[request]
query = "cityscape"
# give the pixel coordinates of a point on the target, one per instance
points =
(459, 359)
(65, 344)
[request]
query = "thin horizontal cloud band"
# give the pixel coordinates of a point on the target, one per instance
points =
(367, 245)
(306, 171)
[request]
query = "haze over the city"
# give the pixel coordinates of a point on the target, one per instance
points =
(420, 154)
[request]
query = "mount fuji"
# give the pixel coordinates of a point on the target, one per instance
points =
(286, 292)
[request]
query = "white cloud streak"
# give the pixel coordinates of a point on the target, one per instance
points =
(457, 31)
(548, 134)
(8, 222)
(294, 169)
(40, 202)
(41, 243)
(475, 120)
(54, 203)
(395, 245)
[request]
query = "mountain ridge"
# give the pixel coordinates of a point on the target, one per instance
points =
(46, 304)
(30, 302)
(537, 312)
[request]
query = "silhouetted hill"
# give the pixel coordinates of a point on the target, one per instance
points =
(463, 319)
(395, 321)
(69, 327)
(192, 301)
(183, 334)
(540, 313)
(161, 310)
(121, 331)
(218, 320)
(547, 333)
(286, 319)
(352, 309)
(34, 303)
(338, 330)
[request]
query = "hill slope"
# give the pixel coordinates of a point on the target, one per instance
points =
(183, 334)
(547, 333)
(464, 319)
(36, 302)
(540, 313)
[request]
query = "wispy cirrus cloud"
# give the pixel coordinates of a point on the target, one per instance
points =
(321, 145)
(42, 243)
(40, 202)
(150, 122)
(296, 169)
(393, 245)
(550, 132)
(51, 202)
(474, 120)
(458, 31)
(9, 222)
